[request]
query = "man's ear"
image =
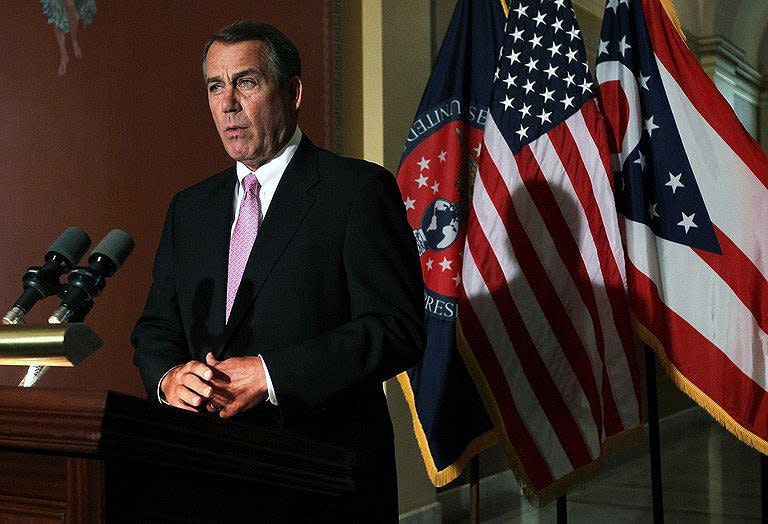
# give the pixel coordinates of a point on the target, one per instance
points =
(296, 90)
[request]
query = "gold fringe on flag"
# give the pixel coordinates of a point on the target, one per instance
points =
(698, 396)
(669, 7)
(505, 8)
(441, 477)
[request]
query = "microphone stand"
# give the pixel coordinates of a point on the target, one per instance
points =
(35, 372)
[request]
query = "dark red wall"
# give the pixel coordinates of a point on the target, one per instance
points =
(107, 145)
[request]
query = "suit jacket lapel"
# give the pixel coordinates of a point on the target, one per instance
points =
(217, 230)
(292, 199)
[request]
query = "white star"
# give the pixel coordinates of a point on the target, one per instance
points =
(517, 34)
(528, 86)
(652, 211)
(625, 2)
(574, 33)
(602, 47)
(513, 57)
(539, 19)
(551, 71)
(569, 79)
(547, 94)
(507, 102)
(558, 25)
(567, 102)
(496, 74)
(571, 54)
(623, 45)
(478, 149)
(409, 203)
(422, 180)
(643, 81)
(510, 81)
(457, 279)
(446, 264)
(531, 65)
(640, 160)
(559, 4)
(544, 116)
(687, 222)
(585, 86)
(435, 187)
(525, 110)
(535, 41)
(522, 132)
(423, 164)
(613, 4)
(650, 126)
(429, 264)
(555, 50)
(521, 11)
(674, 182)
(441, 156)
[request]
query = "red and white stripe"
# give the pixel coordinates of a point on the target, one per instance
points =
(544, 305)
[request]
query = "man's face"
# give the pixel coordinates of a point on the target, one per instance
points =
(253, 116)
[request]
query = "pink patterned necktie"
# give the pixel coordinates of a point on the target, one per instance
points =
(246, 228)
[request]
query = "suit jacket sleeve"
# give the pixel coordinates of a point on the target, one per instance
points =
(158, 337)
(385, 331)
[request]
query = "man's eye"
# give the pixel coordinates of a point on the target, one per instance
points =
(246, 82)
(214, 88)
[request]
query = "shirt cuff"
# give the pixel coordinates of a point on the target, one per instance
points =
(270, 387)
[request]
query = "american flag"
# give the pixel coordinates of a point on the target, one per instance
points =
(544, 303)
(692, 189)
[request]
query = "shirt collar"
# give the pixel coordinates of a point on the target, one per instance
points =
(276, 166)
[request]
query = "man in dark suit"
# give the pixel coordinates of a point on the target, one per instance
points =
(301, 324)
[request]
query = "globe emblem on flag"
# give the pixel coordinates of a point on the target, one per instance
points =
(440, 224)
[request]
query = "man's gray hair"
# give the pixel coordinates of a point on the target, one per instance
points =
(282, 55)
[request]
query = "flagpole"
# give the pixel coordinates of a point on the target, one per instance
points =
(763, 488)
(562, 509)
(653, 435)
(474, 490)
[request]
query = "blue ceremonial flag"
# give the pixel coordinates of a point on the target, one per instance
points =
(438, 163)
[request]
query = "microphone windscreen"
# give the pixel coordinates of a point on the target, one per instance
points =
(71, 244)
(116, 246)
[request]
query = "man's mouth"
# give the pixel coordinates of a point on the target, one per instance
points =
(233, 130)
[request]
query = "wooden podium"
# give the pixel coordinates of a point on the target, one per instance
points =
(80, 456)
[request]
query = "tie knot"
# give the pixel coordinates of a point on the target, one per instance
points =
(251, 183)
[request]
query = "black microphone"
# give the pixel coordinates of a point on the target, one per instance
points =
(86, 283)
(43, 281)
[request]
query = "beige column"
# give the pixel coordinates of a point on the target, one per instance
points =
(385, 63)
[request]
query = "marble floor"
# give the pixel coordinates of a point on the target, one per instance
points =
(708, 477)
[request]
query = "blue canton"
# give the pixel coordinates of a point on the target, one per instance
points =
(542, 76)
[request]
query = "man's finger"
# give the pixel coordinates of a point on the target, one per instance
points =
(190, 398)
(195, 384)
(199, 369)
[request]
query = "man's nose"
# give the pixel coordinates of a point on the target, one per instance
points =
(231, 100)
